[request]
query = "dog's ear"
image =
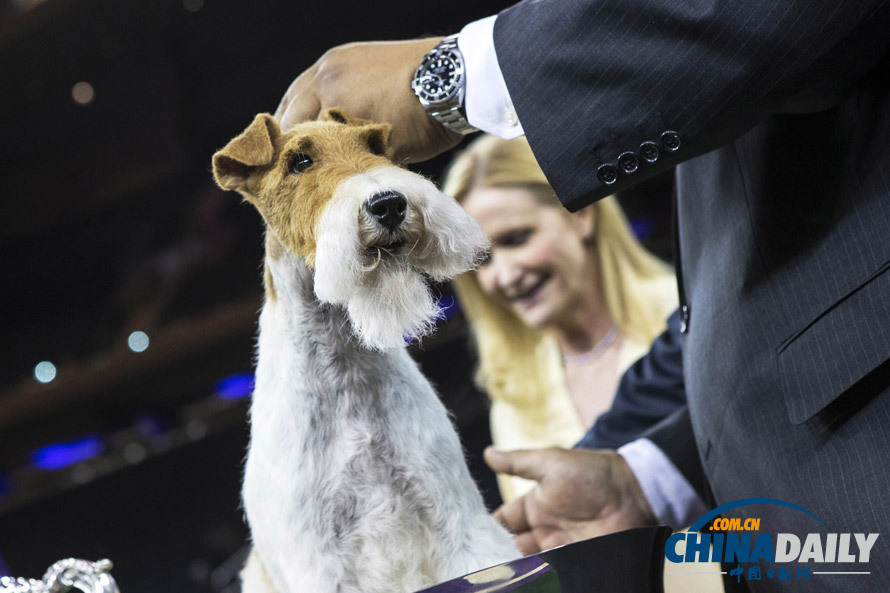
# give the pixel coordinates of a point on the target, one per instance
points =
(254, 147)
(377, 136)
(341, 117)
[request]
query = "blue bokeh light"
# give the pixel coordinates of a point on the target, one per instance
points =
(236, 386)
(61, 455)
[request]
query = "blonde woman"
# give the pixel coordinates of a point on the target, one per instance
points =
(566, 302)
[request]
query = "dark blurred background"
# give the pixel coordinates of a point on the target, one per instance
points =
(131, 284)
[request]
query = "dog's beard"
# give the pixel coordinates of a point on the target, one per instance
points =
(385, 294)
(393, 305)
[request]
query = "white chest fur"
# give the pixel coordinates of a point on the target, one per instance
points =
(355, 478)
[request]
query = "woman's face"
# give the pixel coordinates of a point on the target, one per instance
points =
(540, 265)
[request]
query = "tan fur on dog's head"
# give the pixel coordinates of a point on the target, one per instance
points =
(260, 165)
(320, 187)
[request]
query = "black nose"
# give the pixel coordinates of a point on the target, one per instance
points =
(388, 208)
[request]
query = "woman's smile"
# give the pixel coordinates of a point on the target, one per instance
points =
(528, 297)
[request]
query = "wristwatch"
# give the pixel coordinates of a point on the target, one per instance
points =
(440, 84)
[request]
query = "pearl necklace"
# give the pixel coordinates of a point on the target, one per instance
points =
(575, 360)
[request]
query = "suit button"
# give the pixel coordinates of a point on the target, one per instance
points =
(607, 174)
(684, 319)
(628, 162)
(670, 140)
(649, 151)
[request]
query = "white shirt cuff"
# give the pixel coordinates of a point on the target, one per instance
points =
(487, 100)
(673, 500)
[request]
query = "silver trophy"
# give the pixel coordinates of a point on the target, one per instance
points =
(83, 575)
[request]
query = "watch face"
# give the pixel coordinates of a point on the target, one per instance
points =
(439, 76)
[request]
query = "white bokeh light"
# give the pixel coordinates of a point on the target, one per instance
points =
(45, 371)
(138, 341)
(83, 93)
(134, 453)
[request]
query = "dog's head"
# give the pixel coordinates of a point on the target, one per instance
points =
(370, 230)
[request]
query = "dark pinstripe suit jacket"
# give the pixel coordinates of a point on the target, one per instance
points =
(782, 110)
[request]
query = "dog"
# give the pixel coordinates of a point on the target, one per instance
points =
(355, 479)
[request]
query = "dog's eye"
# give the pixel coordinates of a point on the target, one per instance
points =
(299, 163)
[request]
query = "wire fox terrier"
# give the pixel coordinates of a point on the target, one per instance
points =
(355, 480)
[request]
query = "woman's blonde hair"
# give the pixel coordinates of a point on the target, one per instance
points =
(508, 366)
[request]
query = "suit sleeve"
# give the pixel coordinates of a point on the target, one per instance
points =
(649, 391)
(597, 85)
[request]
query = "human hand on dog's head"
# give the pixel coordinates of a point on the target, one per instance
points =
(372, 81)
(370, 231)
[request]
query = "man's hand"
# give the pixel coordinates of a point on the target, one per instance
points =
(580, 494)
(371, 81)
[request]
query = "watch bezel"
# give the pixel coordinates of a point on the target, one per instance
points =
(457, 76)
